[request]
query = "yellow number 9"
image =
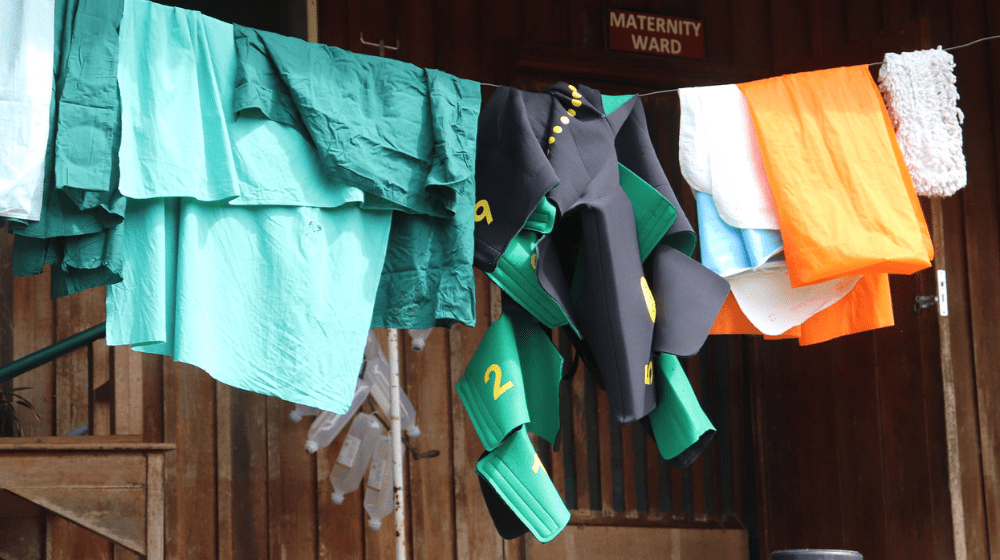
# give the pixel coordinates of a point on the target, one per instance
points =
(483, 211)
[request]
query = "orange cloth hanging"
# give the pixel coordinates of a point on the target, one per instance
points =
(867, 306)
(844, 198)
(843, 195)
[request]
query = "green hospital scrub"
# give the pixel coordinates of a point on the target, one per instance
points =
(404, 135)
(242, 256)
(79, 233)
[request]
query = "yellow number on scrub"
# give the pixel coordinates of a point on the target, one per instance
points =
(483, 211)
(538, 465)
(498, 389)
(649, 374)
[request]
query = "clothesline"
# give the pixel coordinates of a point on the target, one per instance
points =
(969, 44)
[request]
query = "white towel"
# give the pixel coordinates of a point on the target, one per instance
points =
(27, 38)
(738, 224)
(920, 94)
(719, 155)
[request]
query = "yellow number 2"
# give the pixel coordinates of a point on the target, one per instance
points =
(483, 211)
(498, 389)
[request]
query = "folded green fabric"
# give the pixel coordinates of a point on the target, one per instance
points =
(612, 102)
(392, 129)
(79, 231)
(515, 274)
(89, 126)
(516, 473)
(543, 218)
(513, 379)
(404, 135)
(654, 214)
(678, 421)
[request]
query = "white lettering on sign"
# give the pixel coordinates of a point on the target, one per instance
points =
(651, 44)
(656, 34)
(669, 26)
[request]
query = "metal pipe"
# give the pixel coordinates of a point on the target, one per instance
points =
(397, 445)
(49, 353)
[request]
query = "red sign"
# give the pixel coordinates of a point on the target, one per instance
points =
(655, 34)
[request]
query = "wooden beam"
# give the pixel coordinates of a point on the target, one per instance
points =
(114, 489)
(641, 542)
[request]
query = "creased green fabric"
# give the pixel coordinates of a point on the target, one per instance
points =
(89, 117)
(79, 231)
(265, 274)
(405, 136)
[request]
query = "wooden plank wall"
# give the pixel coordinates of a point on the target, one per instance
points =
(849, 436)
(854, 454)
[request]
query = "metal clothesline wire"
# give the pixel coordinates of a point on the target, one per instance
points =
(969, 44)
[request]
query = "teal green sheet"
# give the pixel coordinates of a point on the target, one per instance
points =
(406, 136)
(79, 231)
(267, 299)
(274, 299)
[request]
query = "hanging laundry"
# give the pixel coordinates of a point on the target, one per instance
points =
(519, 494)
(512, 379)
(679, 426)
(719, 156)
(841, 190)
(720, 159)
(403, 135)
(574, 172)
(564, 146)
(78, 232)
(867, 306)
(272, 299)
(510, 388)
(26, 54)
(89, 129)
(920, 95)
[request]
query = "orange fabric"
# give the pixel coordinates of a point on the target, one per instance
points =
(868, 306)
(844, 198)
(732, 320)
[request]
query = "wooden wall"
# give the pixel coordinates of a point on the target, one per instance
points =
(883, 442)
(850, 439)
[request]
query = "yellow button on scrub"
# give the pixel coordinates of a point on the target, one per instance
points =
(564, 120)
(576, 102)
(557, 129)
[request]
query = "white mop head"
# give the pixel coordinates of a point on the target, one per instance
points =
(920, 94)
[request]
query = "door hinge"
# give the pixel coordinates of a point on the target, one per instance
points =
(941, 299)
(942, 292)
